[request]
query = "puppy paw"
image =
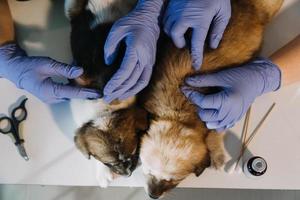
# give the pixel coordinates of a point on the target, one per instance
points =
(104, 175)
(104, 180)
(214, 142)
(217, 160)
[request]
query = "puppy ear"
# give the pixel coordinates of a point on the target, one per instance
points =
(83, 81)
(80, 141)
(81, 145)
(215, 156)
(214, 142)
(141, 119)
(199, 169)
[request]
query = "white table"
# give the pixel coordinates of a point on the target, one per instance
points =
(49, 130)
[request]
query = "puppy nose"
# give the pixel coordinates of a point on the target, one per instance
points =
(127, 164)
(153, 196)
(128, 172)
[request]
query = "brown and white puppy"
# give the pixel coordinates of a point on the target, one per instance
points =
(177, 143)
(108, 132)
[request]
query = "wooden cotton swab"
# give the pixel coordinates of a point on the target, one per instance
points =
(238, 164)
(259, 125)
(255, 131)
(243, 138)
(246, 125)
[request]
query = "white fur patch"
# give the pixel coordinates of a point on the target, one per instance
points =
(150, 158)
(104, 175)
(97, 111)
(159, 155)
(158, 127)
(101, 10)
(103, 121)
(84, 111)
(105, 10)
(155, 169)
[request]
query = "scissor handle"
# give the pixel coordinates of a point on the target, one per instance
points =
(11, 128)
(10, 125)
(22, 115)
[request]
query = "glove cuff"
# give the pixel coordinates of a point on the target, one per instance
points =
(151, 5)
(151, 9)
(270, 72)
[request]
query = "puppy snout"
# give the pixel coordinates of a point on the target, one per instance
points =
(153, 196)
(127, 167)
(128, 172)
(123, 168)
(157, 188)
(129, 164)
(154, 192)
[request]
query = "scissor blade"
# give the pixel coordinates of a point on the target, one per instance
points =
(22, 151)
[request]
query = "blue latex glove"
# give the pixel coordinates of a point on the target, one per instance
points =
(200, 16)
(239, 88)
(34, 75)
(140, 31)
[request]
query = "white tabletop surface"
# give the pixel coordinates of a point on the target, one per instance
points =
(48, 131)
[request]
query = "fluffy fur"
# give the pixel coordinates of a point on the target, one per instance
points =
(178, 143)
(108, 132)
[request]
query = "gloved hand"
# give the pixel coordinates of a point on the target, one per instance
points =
(140, 31)
(200, 16)
(239, 88)
(34, 75)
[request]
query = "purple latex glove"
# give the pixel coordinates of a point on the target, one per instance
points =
(200, 16)
(34, 75)
(140, 31)
(239, 88)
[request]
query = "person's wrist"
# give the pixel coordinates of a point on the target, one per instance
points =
(9, 69)
(270, 72)
(5, 49)
(150, 5)
(151, 9)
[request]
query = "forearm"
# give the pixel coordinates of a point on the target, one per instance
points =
(7, 32)
(288, 60)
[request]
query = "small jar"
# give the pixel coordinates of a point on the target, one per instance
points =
(255, 167)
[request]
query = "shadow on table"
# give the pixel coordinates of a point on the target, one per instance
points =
(233, 144)
(49, 40)
(62, 115)
(36, 174)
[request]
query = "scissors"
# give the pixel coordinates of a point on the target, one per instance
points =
(10, 125)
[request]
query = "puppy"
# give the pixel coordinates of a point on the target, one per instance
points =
(108, 132)
(177, 143)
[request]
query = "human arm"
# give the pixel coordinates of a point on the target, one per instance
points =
(288, 60)
(7, 32)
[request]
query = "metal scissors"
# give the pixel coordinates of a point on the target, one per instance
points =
(10, 125)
